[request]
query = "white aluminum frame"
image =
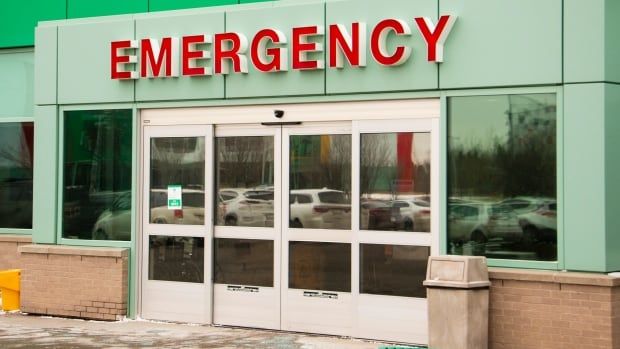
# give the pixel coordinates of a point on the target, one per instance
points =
(259, 308)
(167, 300)
(390, 317)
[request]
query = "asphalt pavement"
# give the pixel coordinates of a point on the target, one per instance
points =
(29, 331)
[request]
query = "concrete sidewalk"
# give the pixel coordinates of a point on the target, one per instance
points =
(29, 331)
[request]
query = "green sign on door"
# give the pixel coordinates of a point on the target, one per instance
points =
(175, 197)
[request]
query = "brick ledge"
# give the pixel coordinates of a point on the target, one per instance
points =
(16, 238)
(559, 277)
(114, 252)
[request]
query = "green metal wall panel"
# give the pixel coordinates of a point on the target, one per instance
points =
(84, 61)
(283, 16)
(18, 19)
(584, 41)
(89, 8)
(206, 87)
(612, 175)
(415, 74)
(612, 48)
(163, 5)
(502, 43)
(45, 174)
(16, 83)
(584, 184)
(45, 63)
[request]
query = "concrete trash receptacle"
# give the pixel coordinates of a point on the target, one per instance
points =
(9, 286)
(458, 302)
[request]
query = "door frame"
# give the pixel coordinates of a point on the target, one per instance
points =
(274, 234)
(398, 110)
(431, 239)
(200, 292)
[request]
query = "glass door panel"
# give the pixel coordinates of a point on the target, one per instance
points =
(317, 235)
(246, 258)
(176, 240)
(395, 164)
(395, 173)
(244, 180)
(320, 182)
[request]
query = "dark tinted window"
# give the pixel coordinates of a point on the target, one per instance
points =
(16, 159)
(243, 262)
(393, 270)
(304, 199)
(333, 197)
(176, 258)
(320, 266)
(97, 164)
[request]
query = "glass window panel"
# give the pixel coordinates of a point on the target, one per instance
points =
(502, 176)
(16, 159)
(395, 181)
(177, 162)
(321, 266)
(176, 258)
(393, 270)
(243, 262)
(97, 175)
(320, 180)
(245, 173)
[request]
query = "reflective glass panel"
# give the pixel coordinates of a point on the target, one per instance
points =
(243, 262)
(178, 180)
(393, 270)
(97, 175)
(176, 258)
(395, 181)
(502, 176)
(320, 182)
(16, 155)
(322, 266)
(244, 177)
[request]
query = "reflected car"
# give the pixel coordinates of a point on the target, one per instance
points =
(525, 204)
(192, 212)
(115, 222)
(541, 223)
(478, 222)
(379, 215)
(415, 212)
(245, 207)
(319, 209)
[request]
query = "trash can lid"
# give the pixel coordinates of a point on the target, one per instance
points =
(457, 272)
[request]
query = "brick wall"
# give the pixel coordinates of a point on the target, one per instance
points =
(85, 282)
(537, 309)
(9, 256)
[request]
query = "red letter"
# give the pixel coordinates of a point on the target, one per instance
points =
(301, 48)
(352, 46)
(190, 55)
(378, 45)
(260, 53)
(116, 59)
(435, 37)
(169, 50)
(238, 45)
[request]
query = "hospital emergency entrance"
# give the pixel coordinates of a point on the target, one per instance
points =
(315, 217)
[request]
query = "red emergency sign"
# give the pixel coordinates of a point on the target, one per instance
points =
(269, 49)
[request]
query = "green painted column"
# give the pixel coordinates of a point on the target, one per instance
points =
(612, 175)
(45, 174)
(584, 167)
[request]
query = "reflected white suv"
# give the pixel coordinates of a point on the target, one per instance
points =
(245, 207)
(319, 209)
